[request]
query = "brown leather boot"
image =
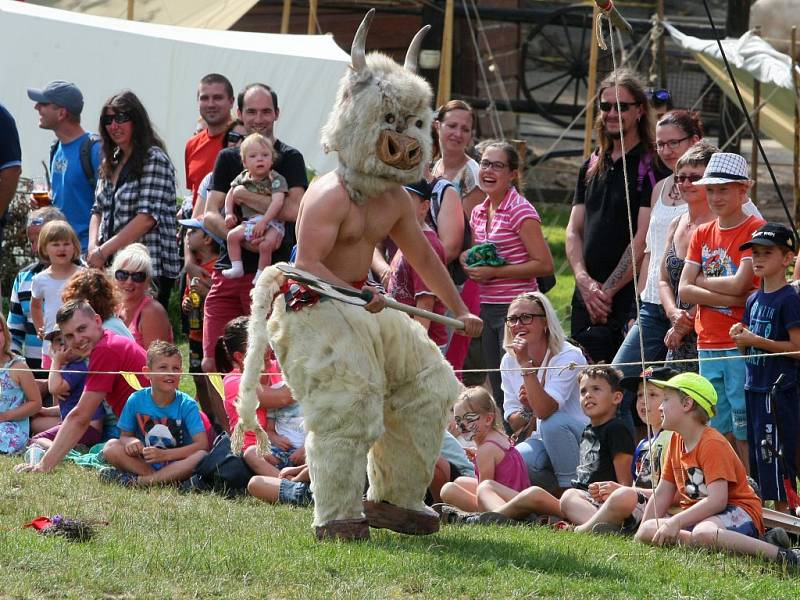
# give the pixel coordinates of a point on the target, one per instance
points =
(347, 530)
(383, 515)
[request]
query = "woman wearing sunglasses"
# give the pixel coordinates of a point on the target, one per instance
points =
(144, 316)
(544, 405)
(135, 196)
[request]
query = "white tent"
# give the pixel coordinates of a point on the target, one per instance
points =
(162, 65)
(751, 58)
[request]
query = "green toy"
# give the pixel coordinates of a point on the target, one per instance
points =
(484, 255)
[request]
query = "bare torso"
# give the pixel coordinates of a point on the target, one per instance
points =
(340, 235)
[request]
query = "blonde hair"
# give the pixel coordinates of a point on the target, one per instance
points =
(256, 139)
(58, 231)
(6, 335)
(554, 332)
(478, 400)
(135, 257)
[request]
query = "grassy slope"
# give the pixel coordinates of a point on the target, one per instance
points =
(160, 544)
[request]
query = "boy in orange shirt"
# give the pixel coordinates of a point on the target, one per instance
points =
(719, 508)
(718, 278)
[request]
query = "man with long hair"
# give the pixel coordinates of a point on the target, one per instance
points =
(598, 240)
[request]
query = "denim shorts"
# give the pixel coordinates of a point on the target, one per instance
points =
(295, 492)
(727, 377)
(735, 518)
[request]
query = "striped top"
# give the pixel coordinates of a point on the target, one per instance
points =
(24, 339)
(504, 234)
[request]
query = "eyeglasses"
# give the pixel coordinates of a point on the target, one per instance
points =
(524, 318)
(659, 96)
(35, 221)
(234, 137)
(494, 165)
(681, 179)
(137, 276)
(119, 118)
(671, 144)
(622, 106)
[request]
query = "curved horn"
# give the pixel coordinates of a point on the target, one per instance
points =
(413, 50)
(357, 58)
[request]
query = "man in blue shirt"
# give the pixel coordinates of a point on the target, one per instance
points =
(76, 156)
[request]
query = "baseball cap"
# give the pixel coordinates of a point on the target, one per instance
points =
(725, 167)
(198, 224)
(771, 234)
(697, 387)
(420, 188)
(60, 93)
(632, 383)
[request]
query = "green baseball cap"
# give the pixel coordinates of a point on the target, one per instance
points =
(697, 387)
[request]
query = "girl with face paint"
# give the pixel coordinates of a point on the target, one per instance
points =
(495, 459)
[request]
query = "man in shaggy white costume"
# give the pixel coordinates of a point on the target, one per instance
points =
(374, 390)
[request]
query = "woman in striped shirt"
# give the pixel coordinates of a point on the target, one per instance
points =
(507, 220)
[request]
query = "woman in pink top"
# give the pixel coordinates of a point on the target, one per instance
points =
(144, 316)
(495, 459)
(507, 220)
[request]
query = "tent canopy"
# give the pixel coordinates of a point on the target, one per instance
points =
(751, 58)
(162, 65)
(208, 14)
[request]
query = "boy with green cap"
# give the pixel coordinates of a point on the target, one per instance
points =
(719, 508)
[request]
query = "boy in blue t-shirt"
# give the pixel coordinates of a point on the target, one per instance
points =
(162, 438)
(771, 324)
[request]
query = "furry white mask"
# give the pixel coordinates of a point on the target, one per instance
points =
(381, 123)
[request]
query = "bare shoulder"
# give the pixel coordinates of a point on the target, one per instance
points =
(326, 193)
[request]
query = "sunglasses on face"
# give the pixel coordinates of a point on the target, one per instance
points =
(234, 137)
(681, 179)
(494, 165)
(524, 318)
(671, 144)
(622, 106)
(119, 118)
(137, 276)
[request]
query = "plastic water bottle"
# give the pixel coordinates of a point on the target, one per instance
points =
(195, 314)
(34, 454)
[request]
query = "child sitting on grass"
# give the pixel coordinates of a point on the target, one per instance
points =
(496, 459)
(621, 505)
(162, 436)
(273, 394)
(771, 324)
(65, 384)
(719, 508)
(292, 486)
(606, 454)
(19, 396)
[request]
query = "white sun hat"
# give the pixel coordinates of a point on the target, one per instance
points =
(725, 167)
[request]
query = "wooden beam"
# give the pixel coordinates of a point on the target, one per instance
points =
(312, 17)
(286, 13)
(757, 127)
(796, 161)
(446, 61)
(130, 10)
(591, 89)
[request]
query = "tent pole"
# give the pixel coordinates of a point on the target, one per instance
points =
(756, 126)
(591, 89)
(446, 63)
(662, 59)
(312, 17)
(796, 162)
(285, 14)
(130, 10)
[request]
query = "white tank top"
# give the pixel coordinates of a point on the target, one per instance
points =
(656, 241)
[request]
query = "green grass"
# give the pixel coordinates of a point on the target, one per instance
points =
(160, 544)
(554, 225)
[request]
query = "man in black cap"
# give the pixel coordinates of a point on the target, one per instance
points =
(74, 156)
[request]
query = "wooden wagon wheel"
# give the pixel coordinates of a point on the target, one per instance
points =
(555, 63)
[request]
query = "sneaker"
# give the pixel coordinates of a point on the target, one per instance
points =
(451, 514)
(790, 557)
(495, 518)
(606, 529)
(777, 536)
(113, 475)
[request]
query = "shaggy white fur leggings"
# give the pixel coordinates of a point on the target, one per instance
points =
(375, 394)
